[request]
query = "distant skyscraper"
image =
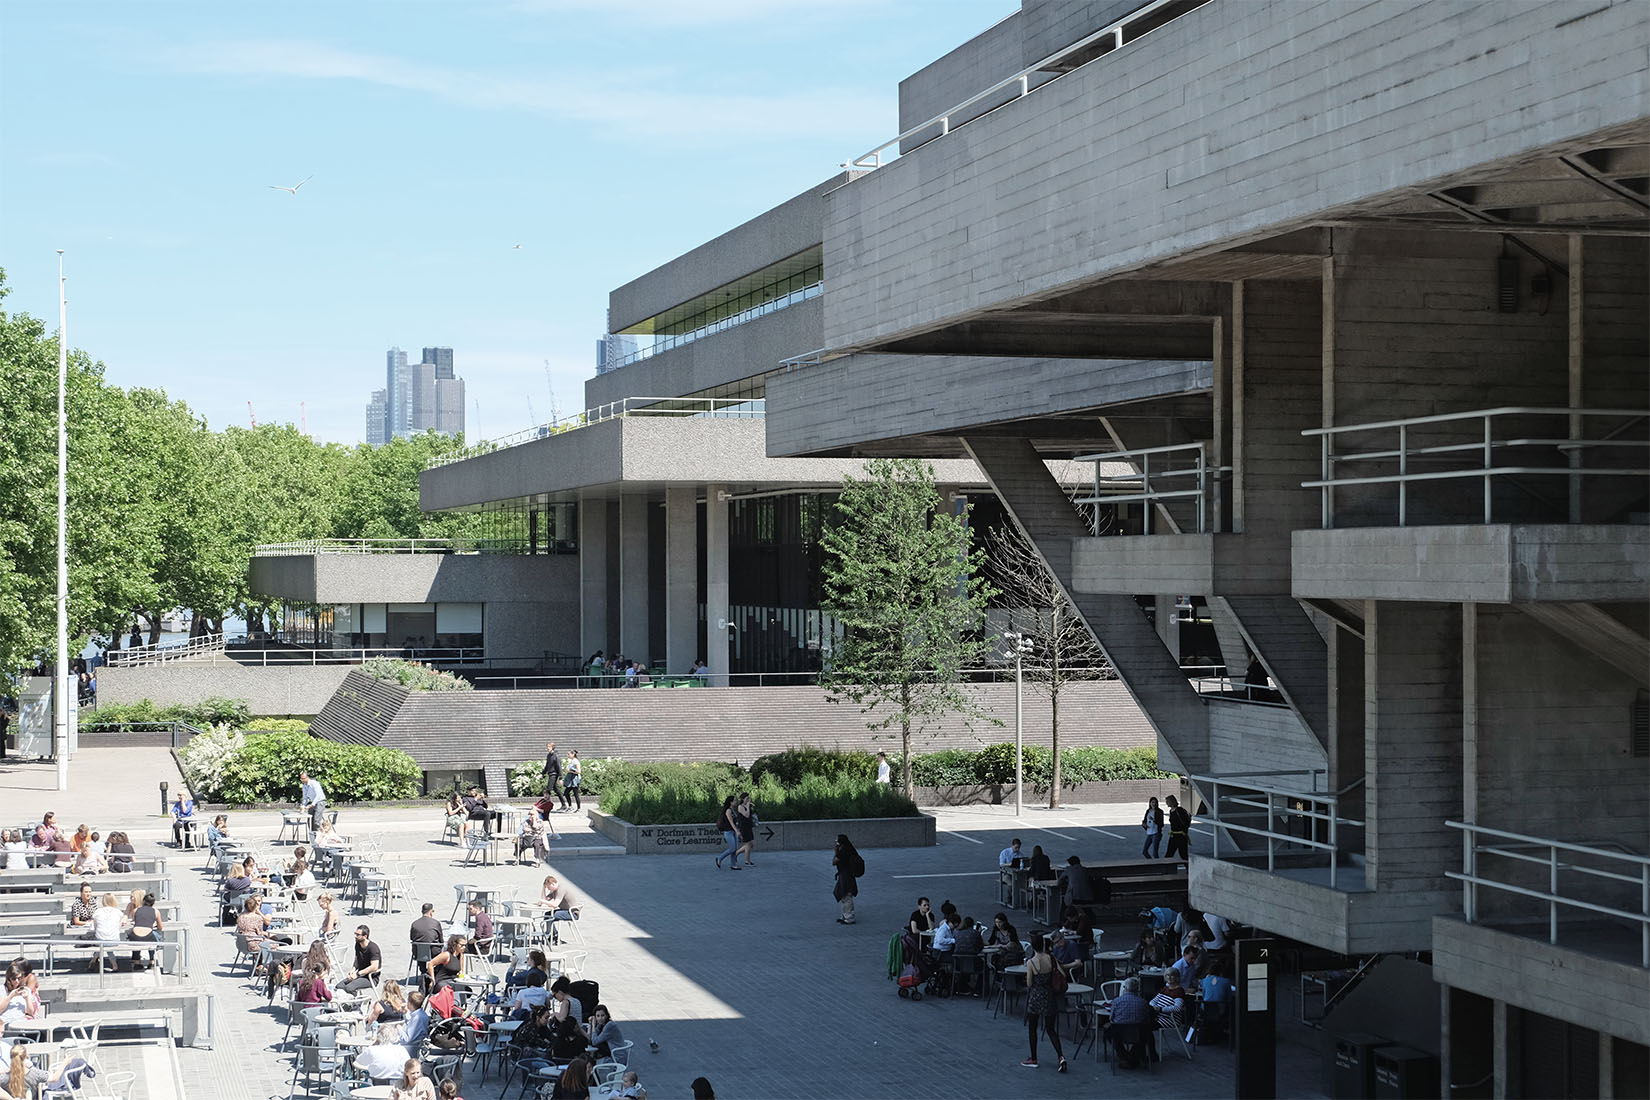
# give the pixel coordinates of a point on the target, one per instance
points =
(416, 397)
(611, 351)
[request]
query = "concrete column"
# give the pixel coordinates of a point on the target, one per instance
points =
(633, 577)
(716, 585)
(592, 575)
(1168, 627)
(1412, 745)
(681, 578)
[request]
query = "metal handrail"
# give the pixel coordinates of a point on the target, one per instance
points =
(1487, 448)
(306, 547)
(160, 653)
(1471, 879)
(1268, 802)
(732, 320)
(730, 679)
(1139, 462)
(712, 408)
(1021, 80)
(1232, 689)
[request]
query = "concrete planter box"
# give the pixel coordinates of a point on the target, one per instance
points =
(1084, 794)
(788, 836)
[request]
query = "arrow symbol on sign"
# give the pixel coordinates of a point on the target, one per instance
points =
(768, 835)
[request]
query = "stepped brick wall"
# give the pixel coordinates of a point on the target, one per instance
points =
(491, 730)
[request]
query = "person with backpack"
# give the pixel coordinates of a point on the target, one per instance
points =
(1180, 830)
(1045, 988)
(849, 868)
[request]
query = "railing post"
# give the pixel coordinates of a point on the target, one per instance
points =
(1271, 832)
(1097, 497)
(1469, 860)
(1025, 84)
(1146, 492)
(1403, 474)
(1214, 793)
(1489, 461)
(1552, 894)
(1202, 490)
(1334, 846)
(1644, 925)
(1323, 474)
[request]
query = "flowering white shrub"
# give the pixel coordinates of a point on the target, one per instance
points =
(206, 759)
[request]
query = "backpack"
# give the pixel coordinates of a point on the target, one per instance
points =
(859, 865)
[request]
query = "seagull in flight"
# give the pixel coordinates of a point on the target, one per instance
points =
(515, 246)
(293, 190)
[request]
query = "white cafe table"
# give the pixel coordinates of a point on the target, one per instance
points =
(371, 1092)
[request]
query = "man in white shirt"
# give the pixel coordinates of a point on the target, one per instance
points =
(1010, 854)
(884, 773)
(1220, 928)
(313, 799)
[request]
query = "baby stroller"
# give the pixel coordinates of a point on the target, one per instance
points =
(920, 969)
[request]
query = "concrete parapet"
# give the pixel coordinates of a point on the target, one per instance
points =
(286, 689)
(786, 836)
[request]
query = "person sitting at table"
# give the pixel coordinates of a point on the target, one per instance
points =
(146, 927)
(532, 837)
(945, 938)
(385, 1059)
(1170, 1001)
(630, 1087)
(1220, 931)
(1149, 950)
(427, 928)
(391, 1005)
(1003, 935)
(82, 834)
(1010, 856)
(1078, 925)
(536, 1034)
(238, 884)
(1041, 868)
(217, 833)
(27, 1079)
(80, 913)
(537, 963)
(922, 918)
(183, 818)
(302, 881)
(457, 816)
(21, 1000)
(969, 945)
(445, 967)
(61, 854)
(107, 923)
(1063, 949)
(328, 837)
(476, 809)
(532, 996)
(413, 1084)
(575, 1082)
(567, 1037)
(1130, 1008)
(253, 925)
(1078, 886)
(328, 928)
(602, 1033)
(1195, 942)
(313, 989)
(122, 856)
(481, 929)
(369, 962)
(16, 849)
(1185, 968)
(558, 901)
(563, 1002)
(417, 1025)
(300, 854)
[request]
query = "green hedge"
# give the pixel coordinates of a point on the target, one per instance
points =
(223, 766)
(599, 774)
(683, 801)
(413, 677)
(791, 766)
(210, 712)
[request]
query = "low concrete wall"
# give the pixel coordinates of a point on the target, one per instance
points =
(286, 689)
(788, 836)
(995, 794)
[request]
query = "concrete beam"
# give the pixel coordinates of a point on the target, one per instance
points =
(681, 578)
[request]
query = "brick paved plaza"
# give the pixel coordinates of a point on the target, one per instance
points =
(744, 978)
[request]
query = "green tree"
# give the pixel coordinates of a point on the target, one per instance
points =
(902, 579)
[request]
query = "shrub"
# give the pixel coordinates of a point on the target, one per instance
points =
(414, 677)
(263, 767)
(209, 712)
(685, 800)
(278, 725)
(1097, 765)
(600, 773)
(791, 766)
(946, 768)
(995, 764)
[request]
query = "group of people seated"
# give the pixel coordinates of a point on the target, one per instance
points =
(107, 922)
(84, 852)
(634, 672)
(1077, 887)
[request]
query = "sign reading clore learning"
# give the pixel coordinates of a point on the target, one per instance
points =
(652, 838)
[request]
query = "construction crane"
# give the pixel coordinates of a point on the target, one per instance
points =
(532, 416)
(252, 416)
(303, 419)
(555, 409)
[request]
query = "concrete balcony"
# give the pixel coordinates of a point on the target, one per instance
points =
(1203, 565)
(1495, 563)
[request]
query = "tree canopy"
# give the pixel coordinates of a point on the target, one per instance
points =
(902, 578)
(163, 511)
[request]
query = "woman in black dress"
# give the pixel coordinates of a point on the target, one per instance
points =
(744, 823)
(447, 966)
(849, 867)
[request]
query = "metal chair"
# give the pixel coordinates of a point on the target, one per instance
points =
(620, 1052)
(295, 822)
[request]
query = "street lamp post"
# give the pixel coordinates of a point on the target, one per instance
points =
(1021, 645)
(60, 711)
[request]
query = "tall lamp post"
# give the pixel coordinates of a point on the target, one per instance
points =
(60, 709)
(1021, 645)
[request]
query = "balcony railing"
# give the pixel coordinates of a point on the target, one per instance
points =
(1156, 476)
(1102, 43)
(714, 408)
(164, 653)
(732, 320)
(1293, 822)
(1563, 862)
(1399, 460)
(306, 547)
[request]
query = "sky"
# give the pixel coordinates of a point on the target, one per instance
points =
(604, 137)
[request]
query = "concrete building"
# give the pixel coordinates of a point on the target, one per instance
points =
(1359, 291)
(419, 397)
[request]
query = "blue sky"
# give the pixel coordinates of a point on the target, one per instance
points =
(603, 136)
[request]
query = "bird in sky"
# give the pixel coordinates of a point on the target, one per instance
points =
(293, 190)
(515, 246)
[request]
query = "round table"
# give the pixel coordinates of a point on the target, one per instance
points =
(1107, 963)
(362, 1041)
(371, 1092)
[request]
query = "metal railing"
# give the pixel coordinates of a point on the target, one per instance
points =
(390, 546)
(1236, 803)
(161, 653)
(1559, 858)
(1135, 483)
(732, 320)
(1484, 457)
(734, 679)
(711, 408)
(179, 732)
(1231, 689)
(1131, 28)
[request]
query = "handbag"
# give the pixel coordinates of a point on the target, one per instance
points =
(1057, 980)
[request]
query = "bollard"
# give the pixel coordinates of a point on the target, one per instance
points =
(163, 786)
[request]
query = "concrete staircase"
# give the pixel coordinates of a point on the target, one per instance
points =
(1146, 667)
(1279, 631)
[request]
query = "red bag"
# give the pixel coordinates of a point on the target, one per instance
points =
(908, 978)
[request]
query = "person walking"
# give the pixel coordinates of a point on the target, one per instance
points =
(885, 774)
(1180, 830)
(1153, 824)
(313, 799)
(849, 867)
(1042, 1000)
(724, 825)
(744, 823)
(573, 780)
(552, 772)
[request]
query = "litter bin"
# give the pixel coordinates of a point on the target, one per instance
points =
(1403, 1073)
(1355, 1065)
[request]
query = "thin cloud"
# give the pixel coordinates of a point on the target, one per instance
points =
(621, 103)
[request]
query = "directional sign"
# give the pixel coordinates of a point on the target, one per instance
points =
(768, 833)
